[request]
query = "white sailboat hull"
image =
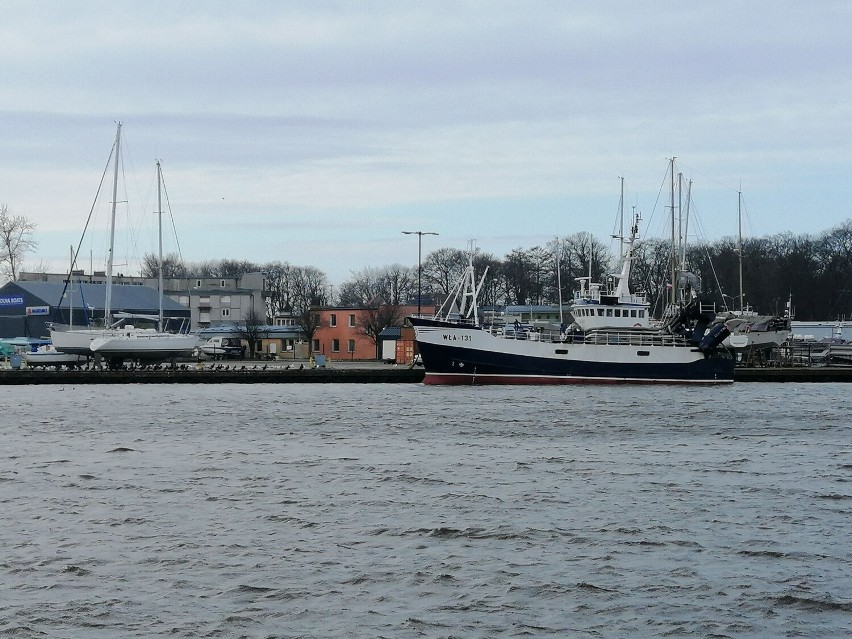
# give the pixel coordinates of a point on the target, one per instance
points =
(77, 341)
(145, 344)
(49, 356)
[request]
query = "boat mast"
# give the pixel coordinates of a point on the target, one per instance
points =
(108, 298)
(160, 232)
(621, 221)
(559, 279)
(685, 226)
(71, 295)
(674, 248)
(740, 243)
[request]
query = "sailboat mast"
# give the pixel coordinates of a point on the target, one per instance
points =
(674, 248)
(160, 233)
(108, 297)
(740, 242)
(71, 294)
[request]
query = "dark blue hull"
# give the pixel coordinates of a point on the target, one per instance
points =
(451, 361)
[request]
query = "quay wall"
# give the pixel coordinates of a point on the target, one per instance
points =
(366, 375)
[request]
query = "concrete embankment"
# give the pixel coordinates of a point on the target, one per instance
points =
(794, 374)
(366, 374)
(235, 375)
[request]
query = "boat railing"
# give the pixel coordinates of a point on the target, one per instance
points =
(607, 337)
(634, 338)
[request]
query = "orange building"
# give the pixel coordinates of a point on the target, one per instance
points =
(340, 335)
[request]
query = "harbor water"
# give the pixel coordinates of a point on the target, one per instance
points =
(325, 510)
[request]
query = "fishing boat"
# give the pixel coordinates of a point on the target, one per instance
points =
(604, 347)
(457, 349)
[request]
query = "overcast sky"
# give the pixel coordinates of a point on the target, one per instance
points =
(315, 132)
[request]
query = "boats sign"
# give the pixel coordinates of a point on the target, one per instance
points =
(38, 310)
(12, 300)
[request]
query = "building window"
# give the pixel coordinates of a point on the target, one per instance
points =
(204, 299)
(197, 283)
(316, 346)
(335, 346)
(222, 283)
(204, 318)
(226, 299)
(352, 320)
(351, 346)
(183, 299)
(226, 312)
(332, 319)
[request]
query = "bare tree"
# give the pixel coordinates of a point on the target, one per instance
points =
(309, 322)
(250, 330)
(443, 268)
(173, 266)
(372, 321)
(16, 237)
(393, 284)
(221, 268)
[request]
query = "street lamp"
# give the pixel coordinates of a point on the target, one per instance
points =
(419, 235)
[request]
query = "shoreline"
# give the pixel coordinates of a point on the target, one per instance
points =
(340, 372)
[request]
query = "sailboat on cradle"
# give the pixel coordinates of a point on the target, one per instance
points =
(117, 341)
(148, 343)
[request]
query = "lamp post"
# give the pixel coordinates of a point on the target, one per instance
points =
(419, 235)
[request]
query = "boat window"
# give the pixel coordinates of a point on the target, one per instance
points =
(561, 351)
(618, 312)
(641, 313)
(609, 312)
(600, 312)
(633, 313)
(643, 353)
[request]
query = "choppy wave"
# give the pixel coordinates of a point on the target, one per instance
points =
(387, 511)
